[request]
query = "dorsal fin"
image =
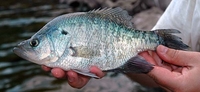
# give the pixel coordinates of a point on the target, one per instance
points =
(117, 15)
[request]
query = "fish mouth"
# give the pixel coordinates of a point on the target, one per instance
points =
(21, 52)
(17, 50)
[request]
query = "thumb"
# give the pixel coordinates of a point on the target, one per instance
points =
(172, 56)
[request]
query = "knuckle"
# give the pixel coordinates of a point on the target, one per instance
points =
(174, 55)
(77, 84)
(74, 85)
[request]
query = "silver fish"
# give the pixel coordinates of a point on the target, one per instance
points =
(104, 38)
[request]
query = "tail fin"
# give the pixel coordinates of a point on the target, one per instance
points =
(172, 41)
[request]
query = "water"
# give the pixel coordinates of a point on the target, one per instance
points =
(19, 19)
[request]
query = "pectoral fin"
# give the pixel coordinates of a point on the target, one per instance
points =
(86, 73)
(84, 51)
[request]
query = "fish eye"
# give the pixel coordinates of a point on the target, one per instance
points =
(34, 43)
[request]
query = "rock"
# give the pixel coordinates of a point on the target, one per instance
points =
(128, 5)
(39, 83)
(147, 19)
(162, 4)
(119, 83)
(82, 5)
(132, 6)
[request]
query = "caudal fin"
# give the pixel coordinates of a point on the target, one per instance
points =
(172, 41)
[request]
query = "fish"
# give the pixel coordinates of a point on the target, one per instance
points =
(105, 38)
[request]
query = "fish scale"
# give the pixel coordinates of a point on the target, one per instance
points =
(104, 38)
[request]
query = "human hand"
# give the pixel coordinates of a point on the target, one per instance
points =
(179, 72)
(75, 80)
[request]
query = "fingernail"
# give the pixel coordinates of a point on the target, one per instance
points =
(163, 49)
(70, 79)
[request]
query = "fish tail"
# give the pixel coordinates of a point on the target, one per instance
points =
(167, 38)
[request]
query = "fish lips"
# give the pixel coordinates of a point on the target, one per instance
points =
(19, 51)
(22, 52)
(16, 50)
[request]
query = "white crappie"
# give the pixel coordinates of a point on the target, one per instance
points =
(104, 38)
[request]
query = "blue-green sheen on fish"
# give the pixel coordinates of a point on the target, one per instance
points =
(104, 38)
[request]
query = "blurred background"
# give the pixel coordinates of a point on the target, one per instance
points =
(20, 19)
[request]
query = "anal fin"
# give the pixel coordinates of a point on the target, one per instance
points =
(136, 64)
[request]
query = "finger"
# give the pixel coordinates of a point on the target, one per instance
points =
(45, 68)
(151, 57)
(172, 56)
(148, 57)
(77, 81)
(161, 63)
(165, 77)
(97, 71)
(177, 69)
(154, 59)
(58, 73)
